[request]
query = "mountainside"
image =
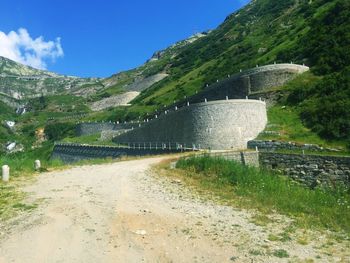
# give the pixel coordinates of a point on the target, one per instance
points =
(315, 33)
(261, 33)
(22, 82)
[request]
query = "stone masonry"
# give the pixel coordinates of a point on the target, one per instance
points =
(217, 125)
(311, 170)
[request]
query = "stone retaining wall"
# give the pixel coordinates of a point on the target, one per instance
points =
(240, 85)
(311, 170)
(280, 145)
(218, 125)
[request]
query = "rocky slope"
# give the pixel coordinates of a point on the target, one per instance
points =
(22, 82)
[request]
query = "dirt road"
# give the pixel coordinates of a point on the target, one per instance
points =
(121, 213)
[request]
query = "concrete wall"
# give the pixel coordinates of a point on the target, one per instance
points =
(240, 85)
(225, 124)
(311, 170)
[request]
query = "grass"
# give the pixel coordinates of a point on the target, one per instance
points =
(87, 139)
(286, 121)
(22, 163)
(269, 193)
(281, 253)
(9, 197)
(21, 169)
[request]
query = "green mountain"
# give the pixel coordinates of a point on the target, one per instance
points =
(311, 32)
(315, 33)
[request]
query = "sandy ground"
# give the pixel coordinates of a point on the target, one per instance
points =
(122, 213)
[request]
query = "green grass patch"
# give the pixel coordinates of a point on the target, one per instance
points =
(9, 196)
(286, 121)
(281, 253)
(269, 192)
(22, 163)
(93, 139)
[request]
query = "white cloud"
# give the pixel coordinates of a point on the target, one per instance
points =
(21, 47)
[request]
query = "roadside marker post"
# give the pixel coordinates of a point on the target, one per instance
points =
(5, 173)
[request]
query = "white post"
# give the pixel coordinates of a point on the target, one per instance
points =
(37, 165)
(5, 173)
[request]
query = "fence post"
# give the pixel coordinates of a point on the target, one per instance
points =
(37, 165)
(5, 173)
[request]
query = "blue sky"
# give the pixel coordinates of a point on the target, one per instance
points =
(100, 38)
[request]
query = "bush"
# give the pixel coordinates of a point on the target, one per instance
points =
(326, 109)
(326, 45)
(58, 131)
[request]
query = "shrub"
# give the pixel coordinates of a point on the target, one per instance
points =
(60, 130)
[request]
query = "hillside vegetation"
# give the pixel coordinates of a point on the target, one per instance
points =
(315, 33)
(268, 192)
(312, 32)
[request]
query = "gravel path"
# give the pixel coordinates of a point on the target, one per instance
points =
(122, 213)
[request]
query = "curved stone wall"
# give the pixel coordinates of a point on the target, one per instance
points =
(240, 85)
(225, 124)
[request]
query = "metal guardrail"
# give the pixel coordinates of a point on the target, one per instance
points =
(140, 146)
(160, 146)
